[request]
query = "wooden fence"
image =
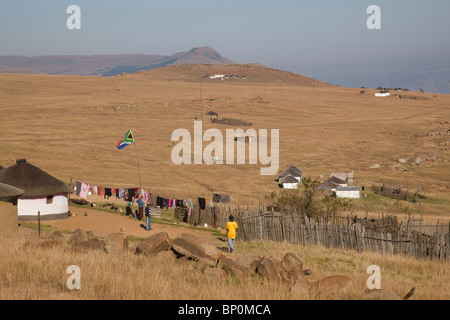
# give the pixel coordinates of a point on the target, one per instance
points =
(349, 237)
(386, 234)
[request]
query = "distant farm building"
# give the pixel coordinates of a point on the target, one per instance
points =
(332, 183)
(290, 182)
(8, 207)
(43, 193)
(291, 171)
(347, 176)
(212, 115)
(348, 192)
(382, 94)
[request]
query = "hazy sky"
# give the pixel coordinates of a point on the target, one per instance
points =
(314, 38)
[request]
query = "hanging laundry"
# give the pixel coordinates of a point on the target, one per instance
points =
(130, 194)
(78, 188)
(121, 193)
(84, 190)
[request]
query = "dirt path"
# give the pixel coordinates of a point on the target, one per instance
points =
(102, 223)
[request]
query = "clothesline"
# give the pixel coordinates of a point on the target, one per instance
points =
(84, 190)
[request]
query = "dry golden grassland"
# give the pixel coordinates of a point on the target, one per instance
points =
(69, 126)
(28, 273)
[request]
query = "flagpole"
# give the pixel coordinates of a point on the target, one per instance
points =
(139, 170)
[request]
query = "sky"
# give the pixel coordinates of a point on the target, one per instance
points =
(325, 39)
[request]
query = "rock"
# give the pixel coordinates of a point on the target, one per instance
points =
(215, 273)
(191, 247)
(167, 255)
(246, 260)
(332, 282)
(382, 295)
(183, 262)
(374, 166)
(268, 270)
(58, 236)
(154, 244)
(417, 160)
(78, 236)
(301, 286)
(232, 268)
(401, 160)
(116, 243)
(292, 266)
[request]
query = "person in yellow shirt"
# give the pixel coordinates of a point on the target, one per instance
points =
(232, 229)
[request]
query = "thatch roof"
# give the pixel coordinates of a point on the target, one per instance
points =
(212, 113)
(34, 181)
(293, 171)
(8, 192)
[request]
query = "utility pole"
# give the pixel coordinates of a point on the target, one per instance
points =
(390, 84)
(201, 83)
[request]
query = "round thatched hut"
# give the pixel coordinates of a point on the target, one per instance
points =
(8, 207)
(42, 192)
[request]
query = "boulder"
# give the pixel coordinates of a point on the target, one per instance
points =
(247, 260)
(215, 273)
(78, 236)
(116, 243)
(292, 268)
(332, 282)
(58, 236)
(168, 256)
(192, 247)
(267, 268)
(183, 262)
(154, 244)
(232, 268)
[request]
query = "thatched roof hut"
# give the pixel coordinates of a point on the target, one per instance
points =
(8, 207)
(7, 192)
(34, 181)
(42, 194)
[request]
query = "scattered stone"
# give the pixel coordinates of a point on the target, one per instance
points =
(183, 262)
(167, 255)
(58, 236)
(268, 270)
(78, 236)
(215, 273)
(332, 282)
(191, 247)
(232, 268)
(116, 243)
(374, 166)
(246, 260)
(154, 244)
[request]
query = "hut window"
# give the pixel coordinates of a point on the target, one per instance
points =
(49, 199)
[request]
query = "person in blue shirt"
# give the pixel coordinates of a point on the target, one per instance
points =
(148, 215)
(140, 203)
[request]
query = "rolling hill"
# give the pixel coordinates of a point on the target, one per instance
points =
(107, 65)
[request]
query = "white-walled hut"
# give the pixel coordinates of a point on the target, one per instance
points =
(42, 192)
(290, 182)
(8, 207)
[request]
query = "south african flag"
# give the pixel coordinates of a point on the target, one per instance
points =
(126, 140)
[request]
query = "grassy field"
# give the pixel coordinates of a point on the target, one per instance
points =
(28, 273)
(69, 126)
